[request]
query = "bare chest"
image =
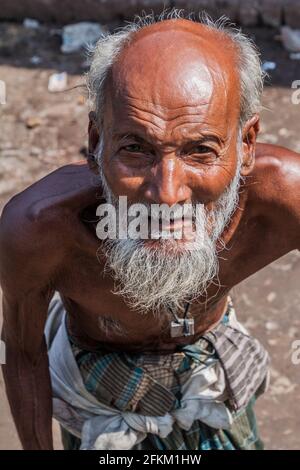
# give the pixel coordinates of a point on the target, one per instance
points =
(97, 314)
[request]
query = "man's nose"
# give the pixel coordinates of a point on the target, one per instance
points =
(167, 184)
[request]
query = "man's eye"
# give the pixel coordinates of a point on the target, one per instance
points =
(132, 148)
(201, 149)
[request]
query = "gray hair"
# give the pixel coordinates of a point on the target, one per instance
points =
(108, 48)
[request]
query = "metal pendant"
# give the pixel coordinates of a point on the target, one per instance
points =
(182, 327)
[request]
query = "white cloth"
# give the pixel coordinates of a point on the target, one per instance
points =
(101, 427)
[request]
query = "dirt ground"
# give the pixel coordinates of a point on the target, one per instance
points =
(41, 131)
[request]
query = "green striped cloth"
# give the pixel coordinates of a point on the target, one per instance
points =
(243, 435)
(150, 384)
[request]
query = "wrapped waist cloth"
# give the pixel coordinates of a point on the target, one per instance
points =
(195, 398)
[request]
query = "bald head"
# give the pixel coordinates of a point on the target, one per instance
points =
(173, 48)
(177, 65)
(174, 101)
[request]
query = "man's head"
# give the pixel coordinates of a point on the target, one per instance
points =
(174, 122)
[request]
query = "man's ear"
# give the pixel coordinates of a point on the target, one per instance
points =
(250, 131)
(93, 139)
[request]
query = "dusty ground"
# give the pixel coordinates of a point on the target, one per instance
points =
(41, 131)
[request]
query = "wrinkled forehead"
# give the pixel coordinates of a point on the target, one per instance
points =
(175, 69)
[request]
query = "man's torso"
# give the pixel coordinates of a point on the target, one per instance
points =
(64, 203)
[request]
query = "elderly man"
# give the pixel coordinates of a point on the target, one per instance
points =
(140, 347)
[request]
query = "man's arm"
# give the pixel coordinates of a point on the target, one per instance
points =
(25, 279)
(279, 175)
(26, 371)
(289, 191)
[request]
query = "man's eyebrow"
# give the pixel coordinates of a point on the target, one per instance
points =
(205, 138)
(127, 135)
(202, 138)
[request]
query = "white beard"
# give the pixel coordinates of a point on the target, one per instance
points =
(153, 279)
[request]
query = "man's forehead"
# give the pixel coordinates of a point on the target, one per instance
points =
(173, 67)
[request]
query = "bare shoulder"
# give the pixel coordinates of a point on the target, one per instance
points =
(275, 185)
(35, 224)
(278, 168)
(63, 187)
(44, 201)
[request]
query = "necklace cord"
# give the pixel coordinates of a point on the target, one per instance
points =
(186, 310)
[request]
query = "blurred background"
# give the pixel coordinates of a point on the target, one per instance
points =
(43, 125)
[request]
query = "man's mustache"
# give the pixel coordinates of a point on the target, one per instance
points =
(120, 219)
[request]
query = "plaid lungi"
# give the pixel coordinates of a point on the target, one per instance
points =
(150, 384)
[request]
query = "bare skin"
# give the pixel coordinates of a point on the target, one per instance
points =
(182, 147)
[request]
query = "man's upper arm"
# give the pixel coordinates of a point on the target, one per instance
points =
(280, 178)
(25, 276)
(290, 193)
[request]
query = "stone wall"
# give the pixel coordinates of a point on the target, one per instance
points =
(247, 13)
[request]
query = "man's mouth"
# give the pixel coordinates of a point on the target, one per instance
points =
(173, 228)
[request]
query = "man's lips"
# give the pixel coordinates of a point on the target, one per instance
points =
(175, 224)
(167, 229)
